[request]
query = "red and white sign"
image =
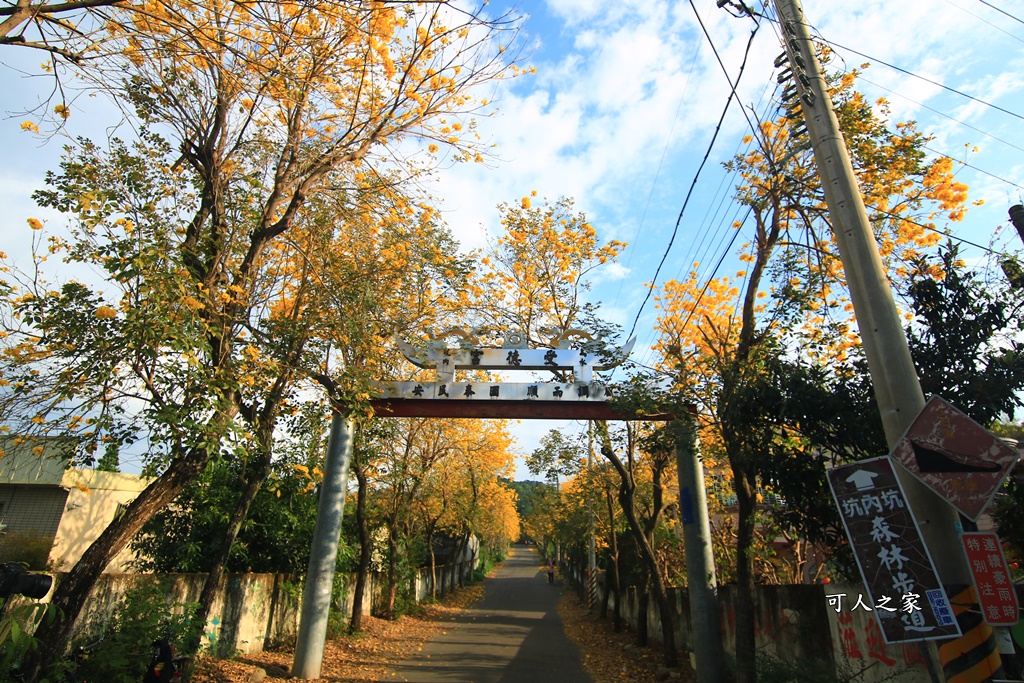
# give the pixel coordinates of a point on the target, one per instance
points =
(955, 456)
(992, 578)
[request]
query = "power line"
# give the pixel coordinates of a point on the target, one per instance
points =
(943, 114)
(919, 77)
(755, 129)
(707, 154)
(984, 21)
(657, 173)
(932, 228)
(707, 282)
(988, 4)
(991, 175)
(718, 200)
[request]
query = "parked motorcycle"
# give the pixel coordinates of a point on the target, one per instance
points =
(166, 665)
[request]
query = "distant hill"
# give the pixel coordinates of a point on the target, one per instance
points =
(527, 492)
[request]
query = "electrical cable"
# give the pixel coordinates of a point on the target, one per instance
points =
(932, 228)
(706, 275)
(964, 163)
(657, 173)
(689, 194)
(988, 4)
(943, 114)
(707, 281)
(718, 202)
(984, 21)
(922, 78)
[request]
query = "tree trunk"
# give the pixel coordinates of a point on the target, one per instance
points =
(626, 491)
(433, 566)
(253, 483)
(71, 593)
(392, 596)
(614, 580)
(746, 652)
(365, 548)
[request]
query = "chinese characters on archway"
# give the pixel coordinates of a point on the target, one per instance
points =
(904, 591)
(562, 360)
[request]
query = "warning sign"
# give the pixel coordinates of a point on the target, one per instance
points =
(955, 456)
(992, 579)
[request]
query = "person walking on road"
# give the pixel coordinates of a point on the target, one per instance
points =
(551, 571)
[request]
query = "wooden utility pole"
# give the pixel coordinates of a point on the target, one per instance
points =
(897, 388)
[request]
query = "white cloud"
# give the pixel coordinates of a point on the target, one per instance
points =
(614, 96)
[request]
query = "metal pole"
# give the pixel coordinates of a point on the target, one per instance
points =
(897, 388)
(316, 595)
(591, 541)
(702, 584)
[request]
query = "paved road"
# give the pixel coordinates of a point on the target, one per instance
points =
(513, 635)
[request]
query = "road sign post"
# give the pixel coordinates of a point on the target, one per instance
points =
(907, 597)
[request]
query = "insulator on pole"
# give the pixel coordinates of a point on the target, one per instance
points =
(1017, 218)
(784, 76)
(781, 59)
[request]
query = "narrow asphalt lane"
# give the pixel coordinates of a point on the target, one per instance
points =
(513, 635)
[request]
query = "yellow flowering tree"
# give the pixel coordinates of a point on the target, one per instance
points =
(227, 271)
(723, 338)
(535, 279)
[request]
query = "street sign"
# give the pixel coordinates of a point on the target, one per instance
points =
(908, 598)
(992, 579)
(955, 456)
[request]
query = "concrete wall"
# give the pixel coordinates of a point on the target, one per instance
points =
(33, 460)
(251, 612)
(796, 627)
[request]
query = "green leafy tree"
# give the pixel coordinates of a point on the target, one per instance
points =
(268, 109)
(793, 257)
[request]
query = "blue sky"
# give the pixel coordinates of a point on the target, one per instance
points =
(627, 94)
(622, 109)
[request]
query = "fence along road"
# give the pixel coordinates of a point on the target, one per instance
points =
(513, 635)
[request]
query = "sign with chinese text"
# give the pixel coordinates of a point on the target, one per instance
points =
(909, 601)
(992, 579)
(572, 371)
(955, 456)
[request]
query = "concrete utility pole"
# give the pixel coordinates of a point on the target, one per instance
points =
(897, 388)
(591, 541)
(323, 556)
(702, 583)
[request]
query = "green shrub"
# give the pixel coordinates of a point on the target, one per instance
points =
(142, 616)
(17, 620)
(28, 549)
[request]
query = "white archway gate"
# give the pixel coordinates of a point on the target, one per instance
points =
(581, 397)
